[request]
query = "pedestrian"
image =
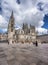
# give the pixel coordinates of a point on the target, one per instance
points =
(8, 42)
(36, 43)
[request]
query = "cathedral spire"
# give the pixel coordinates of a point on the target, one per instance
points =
(11, 23)
(12, 15)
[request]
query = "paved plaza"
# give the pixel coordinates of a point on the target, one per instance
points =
(23, 54)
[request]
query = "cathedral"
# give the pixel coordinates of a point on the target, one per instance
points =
(24, 35)
(27, 34)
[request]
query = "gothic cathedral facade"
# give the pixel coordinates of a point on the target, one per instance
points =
(26, 34)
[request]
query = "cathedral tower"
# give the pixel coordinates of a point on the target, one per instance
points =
(11, 29)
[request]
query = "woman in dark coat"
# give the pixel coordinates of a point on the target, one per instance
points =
(8, 42)
(36, 43)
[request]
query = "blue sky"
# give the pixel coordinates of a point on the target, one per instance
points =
(33, 12)
(45, 21)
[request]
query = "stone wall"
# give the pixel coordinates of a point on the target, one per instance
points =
(43, 38)
(3, 37)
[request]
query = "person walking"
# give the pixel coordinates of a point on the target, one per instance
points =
(8, 42)
(36, 43)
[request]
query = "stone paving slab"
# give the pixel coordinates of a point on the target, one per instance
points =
(24, 54)
(3, 62)
(2, 57)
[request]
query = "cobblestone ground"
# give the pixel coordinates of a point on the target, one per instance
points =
(23, 54)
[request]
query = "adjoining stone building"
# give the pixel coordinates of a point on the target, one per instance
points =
(26, 34)
(3, 37)
(42, 38)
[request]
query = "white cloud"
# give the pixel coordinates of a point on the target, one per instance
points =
(44, 1)
(41, 31)
(44, 5)
(26, 11)
(3, 22)
(4, 30)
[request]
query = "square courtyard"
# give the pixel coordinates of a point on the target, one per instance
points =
(23, 54)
